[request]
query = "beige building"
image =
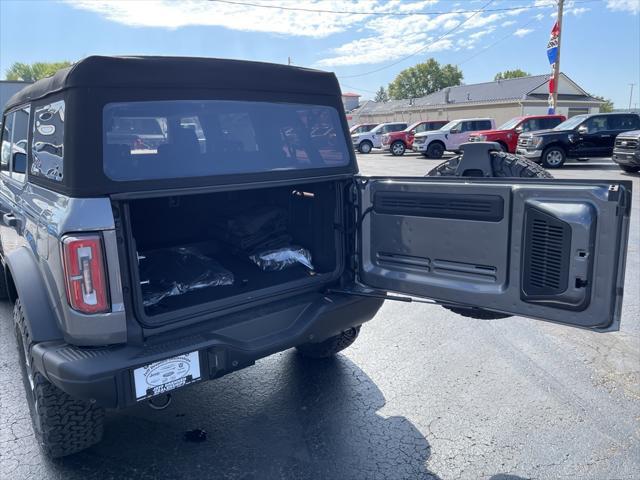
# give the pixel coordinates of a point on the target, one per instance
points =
(502, 100)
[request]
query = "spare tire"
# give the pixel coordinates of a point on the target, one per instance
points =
(504, 165)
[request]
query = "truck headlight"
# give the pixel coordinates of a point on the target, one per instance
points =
(537, 141)
(481, 138)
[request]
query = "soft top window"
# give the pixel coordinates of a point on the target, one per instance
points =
(194, 138)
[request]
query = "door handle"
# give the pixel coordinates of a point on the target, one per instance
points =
(10, 220)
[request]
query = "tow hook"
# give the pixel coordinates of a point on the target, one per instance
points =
(157, 404)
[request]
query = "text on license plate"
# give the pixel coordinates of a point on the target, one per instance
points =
(166, 375)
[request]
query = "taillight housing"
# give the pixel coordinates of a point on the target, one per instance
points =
(84, 273)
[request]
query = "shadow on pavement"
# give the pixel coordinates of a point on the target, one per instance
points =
(286, 417)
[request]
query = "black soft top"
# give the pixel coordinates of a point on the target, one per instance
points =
(92, 83)
(182, 72)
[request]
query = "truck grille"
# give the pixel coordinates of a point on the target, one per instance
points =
(627, 143)
(525, 141)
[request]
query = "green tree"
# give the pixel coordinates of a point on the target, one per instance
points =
(607, 106)
(423, 79)
(34, 71)
(511, 74)
(381, 95)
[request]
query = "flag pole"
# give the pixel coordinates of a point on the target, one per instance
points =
(556, 66)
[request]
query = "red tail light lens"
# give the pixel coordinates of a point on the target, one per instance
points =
(85, 273)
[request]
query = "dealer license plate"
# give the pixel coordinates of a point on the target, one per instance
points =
(166, 375)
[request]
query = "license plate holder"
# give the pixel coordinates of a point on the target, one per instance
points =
(166, 375)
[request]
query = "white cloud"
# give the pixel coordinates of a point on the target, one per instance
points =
(172, 15)
(508, 23)
(521, 32)
(632, 6)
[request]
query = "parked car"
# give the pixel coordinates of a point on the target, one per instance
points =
(362, 128)
(626, 151)
(506, 135)
(582, 136)
(365, 142)
(134, 273)
(433, 144)
(398, 142)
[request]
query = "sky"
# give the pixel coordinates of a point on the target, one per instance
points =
(365, 42)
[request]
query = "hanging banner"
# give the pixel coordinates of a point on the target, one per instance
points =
(552, 55)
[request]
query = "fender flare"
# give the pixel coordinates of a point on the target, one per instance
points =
(26, 280)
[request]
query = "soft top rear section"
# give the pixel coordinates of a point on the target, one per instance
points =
(180, 72)
(94, 82)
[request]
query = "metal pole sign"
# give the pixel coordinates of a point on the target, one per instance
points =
(553, 54)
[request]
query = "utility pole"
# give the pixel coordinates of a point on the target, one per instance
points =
(556, 66)
(631, 95)
(288, 60)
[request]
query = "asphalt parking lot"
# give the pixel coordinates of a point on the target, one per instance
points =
(422, 394)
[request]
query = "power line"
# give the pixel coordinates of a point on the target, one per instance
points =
(394, 14)
(420, 49)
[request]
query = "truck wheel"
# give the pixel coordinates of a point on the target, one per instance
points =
(629, 168)
(504, 165)
(435, 150)
(365, 147)
(553, 157)
(62, 425)
(397, 148)
(330, 346)
(503, 147)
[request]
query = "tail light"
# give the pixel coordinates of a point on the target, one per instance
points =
(84, 273)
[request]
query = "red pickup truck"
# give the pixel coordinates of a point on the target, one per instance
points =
(398, 142)
(507, 134)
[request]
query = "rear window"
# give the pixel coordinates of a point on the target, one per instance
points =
(192, 138)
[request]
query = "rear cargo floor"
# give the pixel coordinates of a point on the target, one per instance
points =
(247, 278)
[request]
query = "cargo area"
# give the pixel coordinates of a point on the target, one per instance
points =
(232, 246)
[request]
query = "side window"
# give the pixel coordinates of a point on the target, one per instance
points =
(551, 122)
(596, 124)
(19, 143)
(532, 124)
(421, 128)
(467, 126)
(623, 122)
(483, 125)
(47, 146)
(7, 128)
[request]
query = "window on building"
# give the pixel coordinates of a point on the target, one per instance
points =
(573, 111)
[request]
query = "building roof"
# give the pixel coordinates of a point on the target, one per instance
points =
(515, 89)
(350, 94)
(181, 72)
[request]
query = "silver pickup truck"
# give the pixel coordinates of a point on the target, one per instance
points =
(141, 263)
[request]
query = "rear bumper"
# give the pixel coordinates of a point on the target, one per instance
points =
(105, 375)
(626, 158)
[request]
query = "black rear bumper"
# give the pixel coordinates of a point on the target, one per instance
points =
(105, 375)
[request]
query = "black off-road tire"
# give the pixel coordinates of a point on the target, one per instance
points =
(629, 168)
(62, 424)
(435, 150)
(504, 165)
(330, 346)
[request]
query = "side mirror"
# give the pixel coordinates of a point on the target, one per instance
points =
(519, 129)
(455, 130)
(583, 129)
(19, 162)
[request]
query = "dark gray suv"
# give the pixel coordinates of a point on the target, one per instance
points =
(166, 221)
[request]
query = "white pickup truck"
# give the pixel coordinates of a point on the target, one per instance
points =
(364, 142)
(433, 144)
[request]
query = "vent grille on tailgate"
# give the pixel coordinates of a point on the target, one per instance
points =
(488, 208)
(546, 254)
